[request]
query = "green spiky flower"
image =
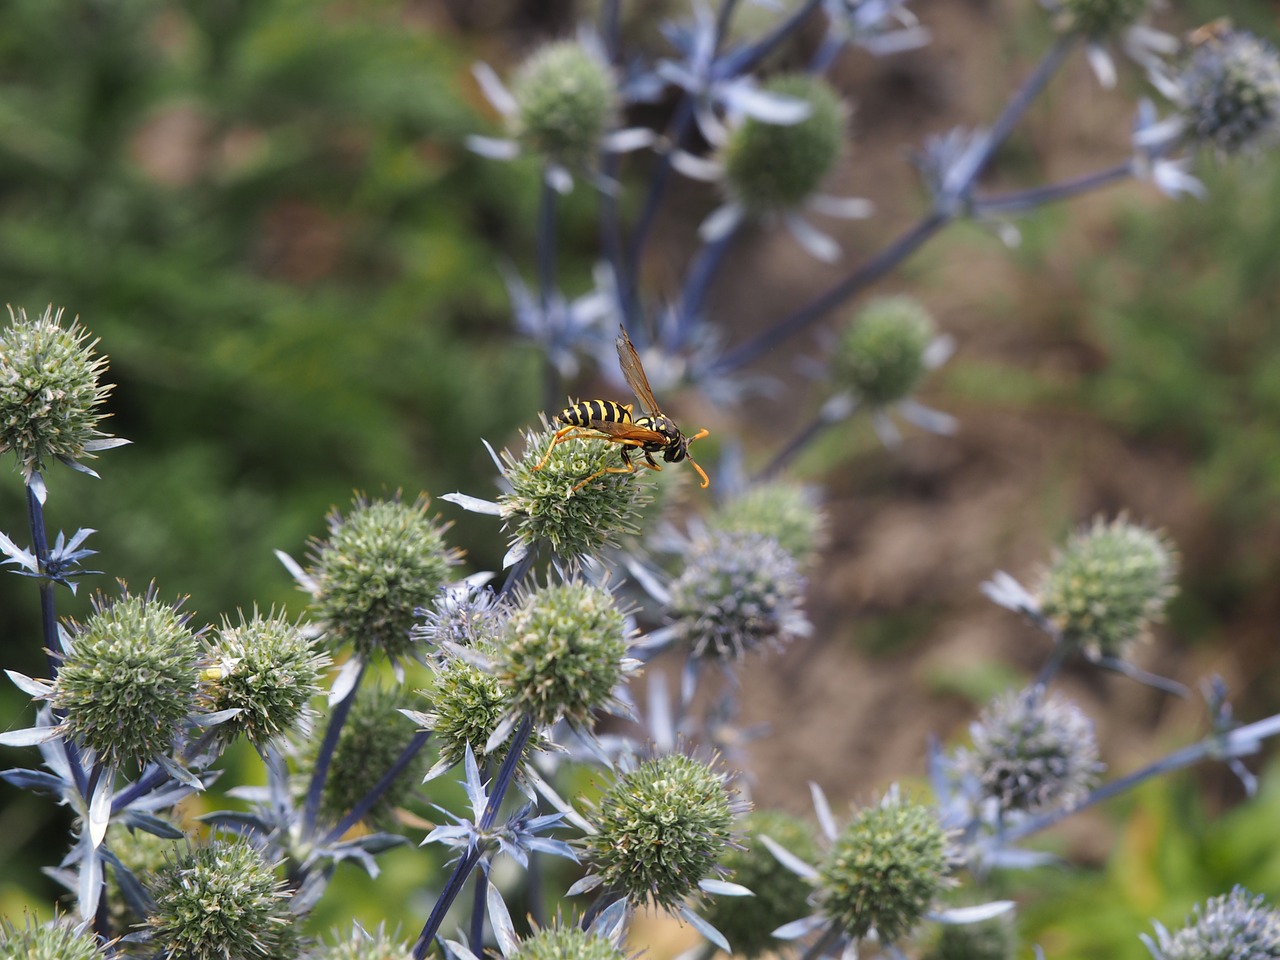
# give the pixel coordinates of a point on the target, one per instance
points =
(544, 507)
(467, 704)
(361, 944)
(881, 354)
(268, 669)
(1108, 583)
(221, 901)
(380, 563)
(129, 678)
(51, 393)
(54, 940)
(568, 943)
(561, 654)
(1033, 752)
(372, 739)
(780, 896)
(662, 828)
(566, 100)
(788, 512)
(772, 167)
(886, 869)
(1099, 19)
(1235, 926)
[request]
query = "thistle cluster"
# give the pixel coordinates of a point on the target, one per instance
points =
(1234, 926)
(54, 940)
(222, 900)
(568, 943)
(1228, 92)
(363, 944)
(886, 870)
(267, 669)
(1032, 752)
(660, 829)
(881, 356)
(1106, 585)
(738, 592)
(129, 677)
(51, 393)
(467, 705)
(374, 570)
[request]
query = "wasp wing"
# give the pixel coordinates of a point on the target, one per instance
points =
(627, 431)
(629, 360)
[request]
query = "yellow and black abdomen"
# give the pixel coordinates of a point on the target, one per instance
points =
(583, 412)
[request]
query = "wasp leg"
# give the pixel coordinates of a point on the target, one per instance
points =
(628, 447)
(568, 433)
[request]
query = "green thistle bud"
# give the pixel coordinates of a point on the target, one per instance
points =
(886, 869)
(568, 943)
(787, 512)
(738, 592)
(780, 896)
(1229, 92)
(55, 940)
(129, 678)
(381, 562)
(995, 939)
(360, 944)
(771, 167)
(223, 900)
(561, 653)
(372, 739)
(1033, 753)
(50, 392)
(566, 100)
(1105, 587)
(662, 828)
(467, 704)
(1098, 19)
(544, 507)
(881, 354)
(1235, 926)
(268, 669)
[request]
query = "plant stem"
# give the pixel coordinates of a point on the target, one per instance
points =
(1022, 200)
(365, 804)
(325, 757)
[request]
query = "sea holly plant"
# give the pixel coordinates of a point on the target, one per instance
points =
(522, 683)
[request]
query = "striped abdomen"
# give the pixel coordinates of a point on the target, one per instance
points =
(584, 411)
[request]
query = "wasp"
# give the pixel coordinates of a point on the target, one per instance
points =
(652, 433)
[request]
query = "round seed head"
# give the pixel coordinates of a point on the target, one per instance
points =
(1099, 19)
(788, 512)
(568, 943)
(566, 101)
(53, 940)
(881, 354)
(1235, 926)
(771, 167)
(361, 944)
(1229, 93)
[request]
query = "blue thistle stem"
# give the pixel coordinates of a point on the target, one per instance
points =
(826, 53)
(366, 803)
(784, 457)
(609, 24)
(701, 273)
(468, 861)
(945, 210)
(680, 124)
(325, 757)
(1023, 200)
(479, 898)
(748, 58)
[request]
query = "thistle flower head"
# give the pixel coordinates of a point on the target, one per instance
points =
(562, 653)
(129, 677)
(1098, 19)
(566, 99)
(1033, 753)
(51, 393)
(462, 614)
(886, 869)
(377, 566)
(661, 828)
(268, 669)
(467, 705)
(780, 896)
(788, 512)
(223, 900)
(1107, 584)
(773, 167)
(361, 944)
(543, 506)
(372, 739)
(1235, 926)
(738, 592)
(881, 356)
(560, 942)
(53, 940)
(1228, 92)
